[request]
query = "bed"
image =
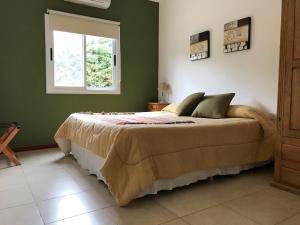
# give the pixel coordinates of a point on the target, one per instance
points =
(135, 158)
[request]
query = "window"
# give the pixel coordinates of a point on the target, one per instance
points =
(82, 55)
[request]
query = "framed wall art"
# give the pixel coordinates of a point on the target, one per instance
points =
(237, 35)
(200, 46)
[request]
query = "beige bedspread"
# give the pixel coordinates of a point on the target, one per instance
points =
(137, 155)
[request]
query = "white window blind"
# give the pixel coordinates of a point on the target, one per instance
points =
(83, 25)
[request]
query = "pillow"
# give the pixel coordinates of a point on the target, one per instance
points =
(213, 106)
(187, 106)
(170, 108)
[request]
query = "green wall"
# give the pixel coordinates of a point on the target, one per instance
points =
(23, 95)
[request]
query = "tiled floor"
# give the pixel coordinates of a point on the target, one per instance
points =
(52, 189)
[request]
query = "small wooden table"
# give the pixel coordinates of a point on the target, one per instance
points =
(156, 106)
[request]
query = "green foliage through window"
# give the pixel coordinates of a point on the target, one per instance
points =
(99, 62)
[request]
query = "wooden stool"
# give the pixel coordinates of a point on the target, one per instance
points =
(11, 130)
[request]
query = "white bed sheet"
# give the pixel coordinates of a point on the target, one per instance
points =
(93, 163)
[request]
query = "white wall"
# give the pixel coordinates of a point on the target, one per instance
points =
(252, 74)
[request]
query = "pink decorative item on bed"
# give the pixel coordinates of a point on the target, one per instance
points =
(136, 119)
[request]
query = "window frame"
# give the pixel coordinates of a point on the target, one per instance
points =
(115, 89)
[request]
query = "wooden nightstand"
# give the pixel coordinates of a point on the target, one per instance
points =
(156, 106)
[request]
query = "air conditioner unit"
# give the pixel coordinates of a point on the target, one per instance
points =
(103, 4)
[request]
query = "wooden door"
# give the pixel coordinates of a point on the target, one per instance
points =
(290, 69)
(287, 157)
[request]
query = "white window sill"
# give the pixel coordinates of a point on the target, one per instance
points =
(84, 91)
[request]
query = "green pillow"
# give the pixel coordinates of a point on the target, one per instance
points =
(187, 106)
(213, 106)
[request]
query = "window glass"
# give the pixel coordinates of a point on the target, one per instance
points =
(68, 59)
(99, 62)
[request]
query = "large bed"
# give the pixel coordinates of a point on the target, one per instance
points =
(139, 158)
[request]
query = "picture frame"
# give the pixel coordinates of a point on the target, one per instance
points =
(200, 46)
(237, 35)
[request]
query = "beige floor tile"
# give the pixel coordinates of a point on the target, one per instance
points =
(223, 192)
(4, 162)
(65, 160)
(15, 197)
(295, 220)
(70, 164)
(72, 205)
(185, 201)
(47, 174)
(31, 169)
(89, 182)
(47, 190)
(67, 194)
(267, 207)
(32, 154)
(176, 222)
(12, 177)
(34, 157)
(200, 196)
(218, 215)
(11, 171)
(93, 218)
(249, 181)
(22, 215)
(74, 169)
(55, 153)
(143, 211)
